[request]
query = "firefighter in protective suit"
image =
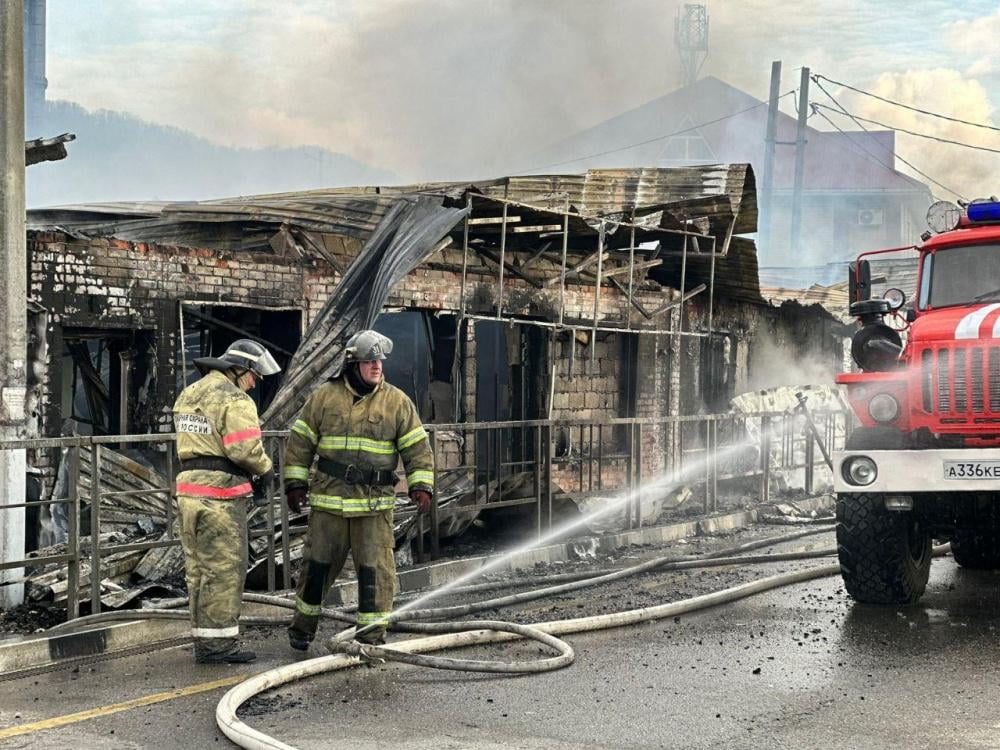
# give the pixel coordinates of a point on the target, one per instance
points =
(358, 426)
(222, 462)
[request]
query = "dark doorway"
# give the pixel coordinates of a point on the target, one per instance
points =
(107, 377)
(423, 351)
(511, 385)
(210, 329)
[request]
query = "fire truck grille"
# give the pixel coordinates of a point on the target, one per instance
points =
(976, 379)
(944, 381)
(962, 381)
(994, 386)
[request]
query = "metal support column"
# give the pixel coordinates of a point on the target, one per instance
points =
(562, 265)
(503, 253)
(597, 298)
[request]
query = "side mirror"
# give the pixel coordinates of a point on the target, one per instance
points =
(859, 281)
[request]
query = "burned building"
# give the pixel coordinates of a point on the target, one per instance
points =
(607, 295)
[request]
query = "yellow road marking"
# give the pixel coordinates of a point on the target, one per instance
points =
(93, 713)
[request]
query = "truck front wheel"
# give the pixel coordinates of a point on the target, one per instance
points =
(977, 548)
(885, 556)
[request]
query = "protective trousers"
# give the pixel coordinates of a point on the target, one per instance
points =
(214, 537)
(330, 537)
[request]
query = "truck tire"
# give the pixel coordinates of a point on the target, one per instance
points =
(885, 556)
(978, 549)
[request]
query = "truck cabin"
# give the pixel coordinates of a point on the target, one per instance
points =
(933, 372)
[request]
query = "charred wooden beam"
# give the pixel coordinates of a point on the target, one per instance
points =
(495, 259)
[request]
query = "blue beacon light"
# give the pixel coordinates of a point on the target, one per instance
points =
(985, 211)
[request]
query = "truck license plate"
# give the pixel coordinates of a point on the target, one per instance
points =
(972, 469)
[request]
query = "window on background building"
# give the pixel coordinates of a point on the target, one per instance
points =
(688, 147)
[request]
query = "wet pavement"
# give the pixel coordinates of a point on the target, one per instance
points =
(801, 667)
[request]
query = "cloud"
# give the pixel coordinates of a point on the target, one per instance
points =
(432, 89)
(976, 40)
(435, 89)
(949, 92)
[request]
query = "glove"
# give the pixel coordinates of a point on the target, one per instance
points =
(261, 485)
(297, 499)
(423, 500)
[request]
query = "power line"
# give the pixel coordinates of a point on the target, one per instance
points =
(907, 106)
(657, 138)
(919, 134)
(885, 148)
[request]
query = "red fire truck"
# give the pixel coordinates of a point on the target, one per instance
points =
(925, 461)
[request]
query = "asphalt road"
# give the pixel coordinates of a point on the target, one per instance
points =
(802, 667)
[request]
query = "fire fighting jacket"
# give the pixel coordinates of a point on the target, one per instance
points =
(214, 418)
(372, 433)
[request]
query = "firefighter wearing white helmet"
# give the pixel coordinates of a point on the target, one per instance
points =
(222, 459)
(359, 426)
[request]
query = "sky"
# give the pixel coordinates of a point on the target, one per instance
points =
(456, 89)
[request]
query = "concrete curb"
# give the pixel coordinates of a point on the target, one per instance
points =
(18, 656)
(42, 651)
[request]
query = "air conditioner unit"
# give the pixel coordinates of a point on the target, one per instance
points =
(870, 217)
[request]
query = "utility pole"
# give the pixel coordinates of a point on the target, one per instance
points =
(800, 161)
(767, 183)
(13, 291)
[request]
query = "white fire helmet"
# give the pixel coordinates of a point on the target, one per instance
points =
(365, 346)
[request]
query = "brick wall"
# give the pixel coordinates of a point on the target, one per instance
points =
(122, 285)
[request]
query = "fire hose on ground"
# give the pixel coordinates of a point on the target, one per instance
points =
(573, 582)
(449, 635)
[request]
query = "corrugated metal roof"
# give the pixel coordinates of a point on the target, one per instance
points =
(716, 194)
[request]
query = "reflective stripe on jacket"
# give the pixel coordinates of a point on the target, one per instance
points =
(376, 430)
(213, 417)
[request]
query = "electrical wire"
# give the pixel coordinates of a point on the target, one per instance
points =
(657, 138)
(893, 102)
(885, 148)
(918, 134)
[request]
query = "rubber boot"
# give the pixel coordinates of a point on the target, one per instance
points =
(233, 657)
(298, 640)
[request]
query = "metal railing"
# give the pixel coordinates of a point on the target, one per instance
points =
(480, 463)
(85, 550)
(572, 459)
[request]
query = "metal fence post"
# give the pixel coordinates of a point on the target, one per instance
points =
(538, 479)
(714, 477)
(73, 540)
(272, 577)
(286, 565)
(765, 459)
(638, 466)
(810, 459)
(435, 538)
(630, 474)
(708, 464)
(170, 495)
(550, 452)
(95, 528)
